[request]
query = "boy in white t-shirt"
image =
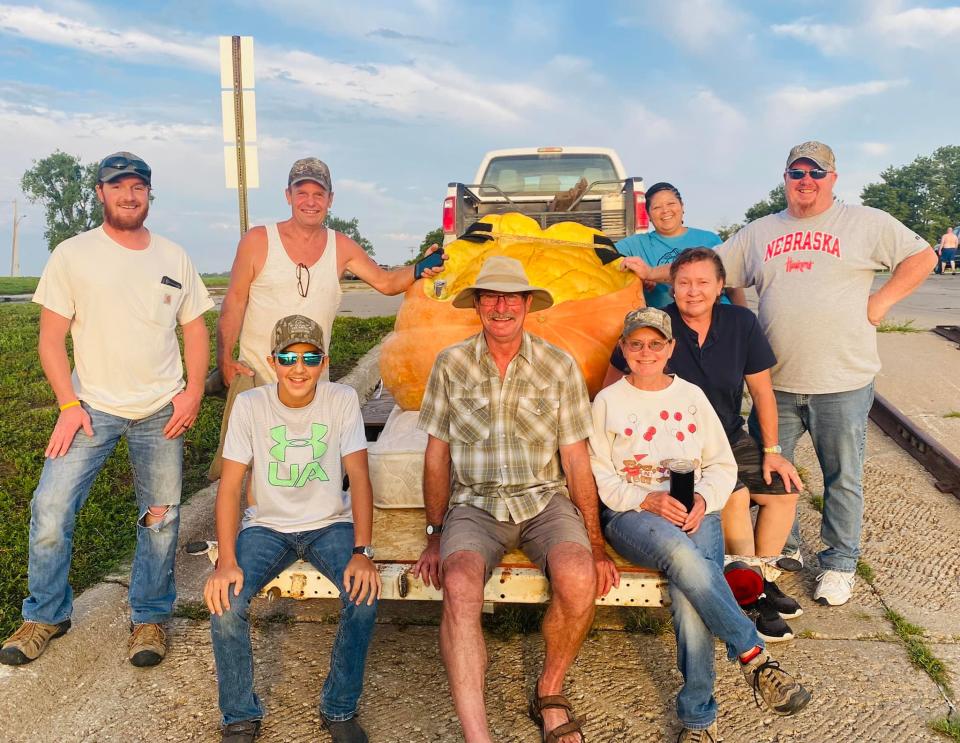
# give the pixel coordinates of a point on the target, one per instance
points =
(300, 437)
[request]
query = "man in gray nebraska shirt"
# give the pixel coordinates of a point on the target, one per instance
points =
(813, 266)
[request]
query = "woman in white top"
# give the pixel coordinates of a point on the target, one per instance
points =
(640, 424)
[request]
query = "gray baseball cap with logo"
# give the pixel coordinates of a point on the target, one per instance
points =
(648, 317)
(818, 152)
(310, 169)
(296, 329)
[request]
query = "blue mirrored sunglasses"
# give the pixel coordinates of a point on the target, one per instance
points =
(289, 358)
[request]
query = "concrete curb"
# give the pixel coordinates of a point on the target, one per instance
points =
(365, 375)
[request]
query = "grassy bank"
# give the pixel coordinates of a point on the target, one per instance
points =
(104, 533)
(28, 284)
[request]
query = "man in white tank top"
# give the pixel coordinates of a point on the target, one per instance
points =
(293, 268)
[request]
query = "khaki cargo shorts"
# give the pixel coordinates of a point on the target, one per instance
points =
(471, 529)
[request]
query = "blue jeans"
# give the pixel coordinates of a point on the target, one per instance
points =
(837, 423)
(64, 485)
(262, 553)
(702, 604)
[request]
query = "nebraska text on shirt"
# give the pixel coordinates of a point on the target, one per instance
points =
(820, 242)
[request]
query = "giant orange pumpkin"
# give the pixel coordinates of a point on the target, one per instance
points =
(590, 301)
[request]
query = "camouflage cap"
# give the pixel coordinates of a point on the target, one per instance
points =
(818, 152)
(310, 169)
(648, 317)
(296, 329)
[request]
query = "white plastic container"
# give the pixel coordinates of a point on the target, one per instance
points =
(396, 461)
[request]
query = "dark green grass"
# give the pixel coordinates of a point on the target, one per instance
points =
(105, 534)
(28, 284)
(18, 284)
(948, 727)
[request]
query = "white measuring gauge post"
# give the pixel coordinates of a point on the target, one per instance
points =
(239, 106)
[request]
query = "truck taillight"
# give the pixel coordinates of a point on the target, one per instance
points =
(640, 218)
(448, 216)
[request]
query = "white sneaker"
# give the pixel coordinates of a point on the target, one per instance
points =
(833, 588)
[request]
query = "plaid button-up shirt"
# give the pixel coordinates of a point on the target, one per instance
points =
(504, 434)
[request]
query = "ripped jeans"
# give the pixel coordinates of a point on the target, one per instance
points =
(64, 485)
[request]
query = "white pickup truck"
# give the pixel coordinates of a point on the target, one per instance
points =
(529, 180)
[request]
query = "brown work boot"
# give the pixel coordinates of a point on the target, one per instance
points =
(148, 644)
(780, 692)
(705, 735)
(28, 643)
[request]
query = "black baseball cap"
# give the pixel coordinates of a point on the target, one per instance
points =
(123, 163)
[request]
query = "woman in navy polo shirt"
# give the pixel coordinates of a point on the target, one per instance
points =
(718, 348)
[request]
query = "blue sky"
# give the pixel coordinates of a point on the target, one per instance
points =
(400, 98)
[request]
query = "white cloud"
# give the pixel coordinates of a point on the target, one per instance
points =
(920, 27)
(645, 124)
(694, 24)
(830, 39)
(720, 113)
(433, 89)
(875, 148)
(883, 26)
(801, 100)
(131, 46)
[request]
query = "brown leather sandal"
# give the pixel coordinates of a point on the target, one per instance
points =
(555, 701)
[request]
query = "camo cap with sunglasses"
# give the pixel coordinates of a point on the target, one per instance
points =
(123, 163)
(296, 329)
(648, 317)
(815, 151)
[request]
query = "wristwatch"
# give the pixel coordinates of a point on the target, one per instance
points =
(775, 449)
(366, 550)
(434, 529)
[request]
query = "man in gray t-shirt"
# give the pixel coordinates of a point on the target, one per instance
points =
(813, 266)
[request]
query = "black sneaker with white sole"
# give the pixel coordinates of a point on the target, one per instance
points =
(787, 607)
(770, 625)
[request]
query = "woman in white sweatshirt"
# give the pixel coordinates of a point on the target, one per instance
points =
(640, 423)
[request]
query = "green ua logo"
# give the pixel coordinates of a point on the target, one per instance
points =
(297, 476)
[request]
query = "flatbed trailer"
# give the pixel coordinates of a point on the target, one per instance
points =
(399, 538)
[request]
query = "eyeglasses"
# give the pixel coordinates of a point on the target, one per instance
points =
(655, 346)
(289, 358)
(491, 300)
(797, 174)
(119, 162)
(301, 270)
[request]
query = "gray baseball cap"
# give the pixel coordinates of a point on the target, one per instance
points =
(818, 152)
(296, 329)
(648, 317)
(120, 164)
(310, 169)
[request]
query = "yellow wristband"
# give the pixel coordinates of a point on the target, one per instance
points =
(72, 404)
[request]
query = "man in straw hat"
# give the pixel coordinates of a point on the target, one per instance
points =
(499, 408)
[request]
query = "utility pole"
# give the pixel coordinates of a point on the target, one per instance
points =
(15, 253)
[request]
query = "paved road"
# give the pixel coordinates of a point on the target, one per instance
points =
(935, 302)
